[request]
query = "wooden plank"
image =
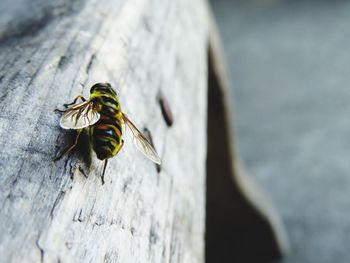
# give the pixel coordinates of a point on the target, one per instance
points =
(50, 211)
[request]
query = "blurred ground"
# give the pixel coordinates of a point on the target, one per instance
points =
(289, 62)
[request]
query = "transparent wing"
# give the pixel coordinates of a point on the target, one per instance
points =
(79, 116)
(141, 142)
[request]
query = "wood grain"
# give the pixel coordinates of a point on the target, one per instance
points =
(49, 54)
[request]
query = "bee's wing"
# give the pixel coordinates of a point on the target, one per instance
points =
(79, 116)
(141, 142)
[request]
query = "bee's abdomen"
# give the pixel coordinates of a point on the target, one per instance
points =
(106, 134)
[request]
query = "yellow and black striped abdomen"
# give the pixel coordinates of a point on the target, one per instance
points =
(106, 134)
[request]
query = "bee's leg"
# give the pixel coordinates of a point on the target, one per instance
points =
(74, 101)
(105, 164)
(103, 172)
(71, 147)
(69, 104)
(59, 111)
(82, 171)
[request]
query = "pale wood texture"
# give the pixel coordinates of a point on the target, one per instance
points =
(50, 212)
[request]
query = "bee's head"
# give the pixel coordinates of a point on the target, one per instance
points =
(102, 88)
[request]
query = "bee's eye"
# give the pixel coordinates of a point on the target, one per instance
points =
(99, 86)
(93, 89)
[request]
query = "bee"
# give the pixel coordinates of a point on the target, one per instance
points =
(101, 114)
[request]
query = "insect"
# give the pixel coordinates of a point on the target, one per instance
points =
(103, 117)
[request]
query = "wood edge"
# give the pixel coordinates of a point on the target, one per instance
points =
(249, 190)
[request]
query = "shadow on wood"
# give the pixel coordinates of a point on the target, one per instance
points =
(241, 226)
(82, 151)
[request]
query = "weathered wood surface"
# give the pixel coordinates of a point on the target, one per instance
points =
(51, 52)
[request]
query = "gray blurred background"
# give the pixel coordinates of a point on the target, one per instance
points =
(289, 63)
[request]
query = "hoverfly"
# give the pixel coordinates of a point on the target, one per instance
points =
(103, 117)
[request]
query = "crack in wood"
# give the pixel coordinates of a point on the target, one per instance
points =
(82, 171)
(69, 245)
(42, 252)
(147, 24)
(63, 62)
(81, 217)
(118, 223)
(38, 69)
(101, 220)
(64, 59)
(57, 201)
(111, 257)
(173, 241)
(153, 236)
(12, 79)
(78, 216)
(126, 184)
(89, 65)
(11, 63)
